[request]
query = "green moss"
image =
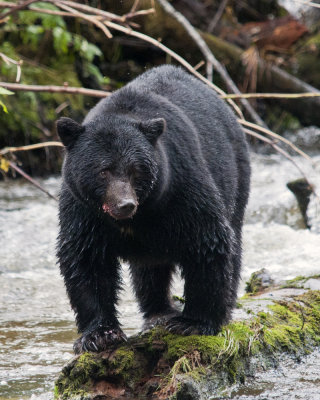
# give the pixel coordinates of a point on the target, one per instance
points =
(76, 378)
(254, 284)
(299, 281)
(295, 282)
(291, 327)
(208, 346)
(123, 365)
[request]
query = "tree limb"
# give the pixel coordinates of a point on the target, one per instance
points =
(17, 8)
(86, 17)
(217, 16)
(276, 136)
(211, 60)
(7, 150)
(278, 149)
(270, 95)
(28, 177)
(54, 89)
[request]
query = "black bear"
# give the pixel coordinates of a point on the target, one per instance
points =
(157, 175)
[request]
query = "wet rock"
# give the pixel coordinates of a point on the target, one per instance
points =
(302, 189)
(259, 281)
(313, 214)
(188, 391)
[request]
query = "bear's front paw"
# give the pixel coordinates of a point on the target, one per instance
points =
(98, 339)
(187, 326)
(159, 319)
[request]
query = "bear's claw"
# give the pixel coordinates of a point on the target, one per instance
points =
(159, 319)
(186, 326)
(99, 339)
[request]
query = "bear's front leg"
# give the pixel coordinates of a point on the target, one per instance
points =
(94, 301)
(91, 275)
(210, 288)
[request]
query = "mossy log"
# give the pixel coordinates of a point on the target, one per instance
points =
(160, 365)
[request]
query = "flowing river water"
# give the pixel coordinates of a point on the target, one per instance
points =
(37, 325)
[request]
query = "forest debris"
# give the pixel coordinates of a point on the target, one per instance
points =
(276, 34)
(211, 59)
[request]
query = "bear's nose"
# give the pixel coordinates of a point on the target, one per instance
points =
(127, 206)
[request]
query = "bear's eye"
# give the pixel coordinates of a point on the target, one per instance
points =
(104, 173)
(134, 173)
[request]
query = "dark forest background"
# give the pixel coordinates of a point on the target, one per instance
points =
(262, 46)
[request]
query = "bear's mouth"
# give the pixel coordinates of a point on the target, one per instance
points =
(119, 213)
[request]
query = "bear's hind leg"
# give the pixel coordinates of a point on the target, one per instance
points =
(210, 286)
(152, 288)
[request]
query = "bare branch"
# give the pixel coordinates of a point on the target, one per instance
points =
(17, 8)
(174, 55)
(100, 13)
(86, 17)
(28, 177)
(210, 58)
(7, 150)
(270, 95)
(276, 136)
(217, 16)
(277, 148)
(9, 60)
(89, 9)
(54, 89)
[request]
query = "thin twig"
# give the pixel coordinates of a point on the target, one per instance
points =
(51, 12)
(217, 16)
(148, 11)
(174, 55)
(134, 6)
(144, 37)
(270, 95)
(100, 13)
(54, 89)
(89, 9)
(7, 150)
(9, 60)
(17, 8)
(210, 57)
(199, 65)
(86, 17)
(28, 177)
(275, 135)
(277, 148)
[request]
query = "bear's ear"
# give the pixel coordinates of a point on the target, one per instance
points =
(68, 130)
(153, 128)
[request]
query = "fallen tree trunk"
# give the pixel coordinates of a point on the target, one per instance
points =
(160, 365)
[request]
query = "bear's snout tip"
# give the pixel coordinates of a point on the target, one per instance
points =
(123, 210)
(127, 207)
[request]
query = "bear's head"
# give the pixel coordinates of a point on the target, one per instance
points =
(111, 162)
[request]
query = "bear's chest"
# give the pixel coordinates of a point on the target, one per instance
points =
(145, 242)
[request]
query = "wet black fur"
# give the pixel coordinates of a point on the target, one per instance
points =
(192, 184)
